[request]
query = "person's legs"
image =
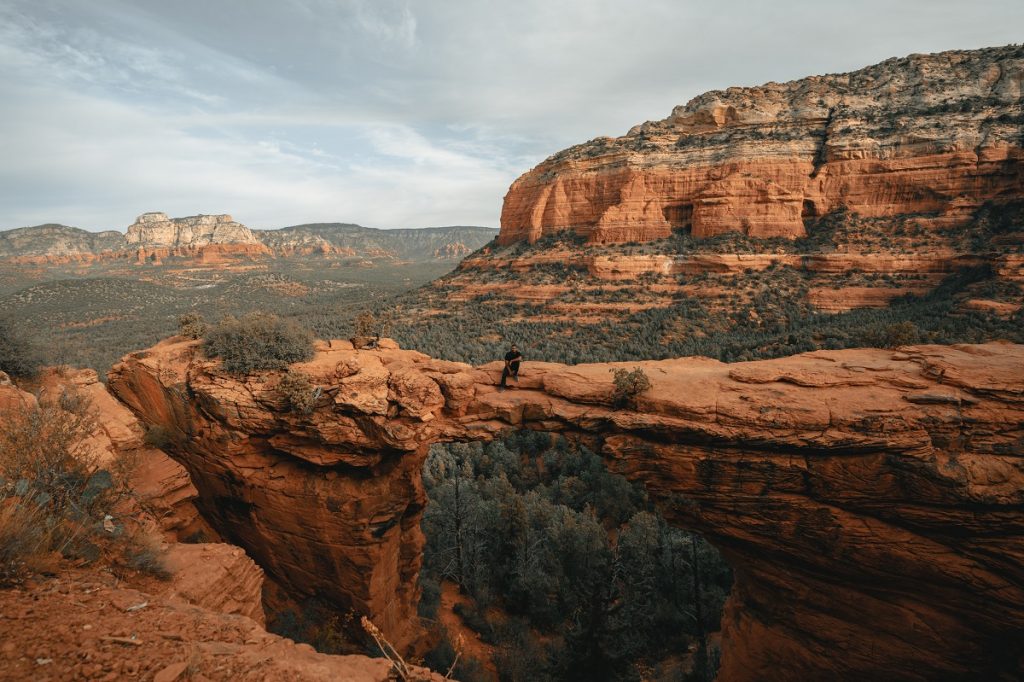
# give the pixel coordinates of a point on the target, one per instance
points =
(504, 377)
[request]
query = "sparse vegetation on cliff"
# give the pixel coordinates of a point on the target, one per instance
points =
(258, 341)
(191, 325)
(52, 492)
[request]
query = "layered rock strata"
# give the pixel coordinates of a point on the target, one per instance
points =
(160, 485)
(869, 500)
(936, 134)
(158, 230)
(206, 617)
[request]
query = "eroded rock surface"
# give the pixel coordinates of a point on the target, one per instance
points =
(936, 134)
(869, 500)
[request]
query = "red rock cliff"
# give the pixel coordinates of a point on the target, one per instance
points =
(869, 500)
(933, 134)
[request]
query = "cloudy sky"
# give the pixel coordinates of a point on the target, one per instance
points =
(389, 113)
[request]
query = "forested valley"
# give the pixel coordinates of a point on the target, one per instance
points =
(569, 572)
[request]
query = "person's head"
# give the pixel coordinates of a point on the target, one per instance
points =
(514, 348)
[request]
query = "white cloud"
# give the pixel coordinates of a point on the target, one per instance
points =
(385, 112)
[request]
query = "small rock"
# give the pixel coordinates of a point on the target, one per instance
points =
(172, 672)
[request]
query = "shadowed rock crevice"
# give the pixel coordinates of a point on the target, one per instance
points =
(872, 532)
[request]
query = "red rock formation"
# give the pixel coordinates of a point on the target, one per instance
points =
(869, 500)
(217, 577)
(925, 134)
(87, 624)
(205, 618)
(320, 509)
(161, 485)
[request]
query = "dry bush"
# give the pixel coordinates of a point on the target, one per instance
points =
(401, 669)
(300, 391)
(43, 448)
(192, 325)
(143, 552)
(51, 491)
(258, 341)
(27, 539)
(54, 497)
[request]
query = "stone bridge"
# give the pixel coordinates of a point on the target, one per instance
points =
(869, 501)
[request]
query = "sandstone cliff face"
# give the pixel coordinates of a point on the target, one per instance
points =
(317, 504)
(161, 485)
(937, 134)
(868, 500)
(206, 618)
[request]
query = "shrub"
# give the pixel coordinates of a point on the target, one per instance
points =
(51, 492)
(366, 324)
(26, 538)
(142, 552)
(900, 334)
(18, 356)
(299, 391)
(74, 401)
(258, 341)
(628, 385)
(192, 325)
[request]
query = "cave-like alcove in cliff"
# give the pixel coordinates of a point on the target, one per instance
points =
(679, 216)
(809, 211)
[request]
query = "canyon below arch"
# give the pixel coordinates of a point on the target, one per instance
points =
(869, 501)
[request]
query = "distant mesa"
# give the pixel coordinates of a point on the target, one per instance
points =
(936, 134)
(156, 229)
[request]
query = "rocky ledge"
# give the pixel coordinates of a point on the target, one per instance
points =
(870, 501)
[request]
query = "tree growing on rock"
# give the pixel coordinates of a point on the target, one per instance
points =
(628, 385)
(370, 327)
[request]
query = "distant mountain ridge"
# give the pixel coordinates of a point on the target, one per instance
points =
(425, 243)
(52, 239)
(154, 236)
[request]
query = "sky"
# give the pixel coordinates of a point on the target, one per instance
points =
(387, 113)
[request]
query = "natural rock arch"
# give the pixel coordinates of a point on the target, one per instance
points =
(870, 501)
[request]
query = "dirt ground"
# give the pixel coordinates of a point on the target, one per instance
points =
(87, 625)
